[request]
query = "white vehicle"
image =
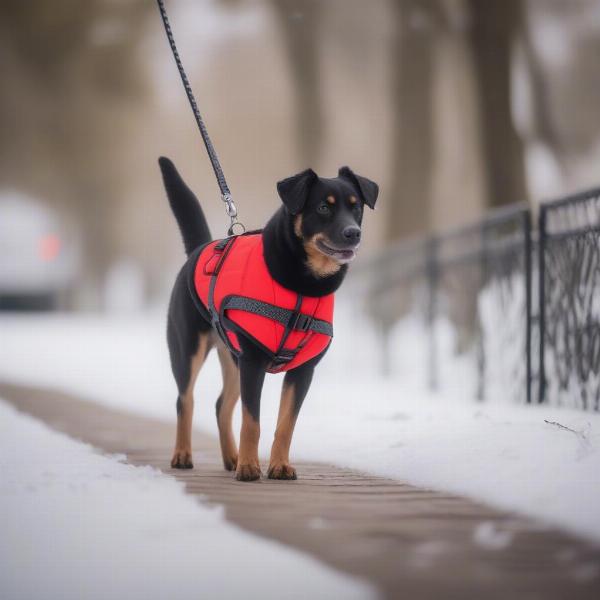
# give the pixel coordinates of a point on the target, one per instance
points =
(39, 257)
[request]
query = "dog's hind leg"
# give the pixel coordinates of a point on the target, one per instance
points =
(186, 361)
(225, 406)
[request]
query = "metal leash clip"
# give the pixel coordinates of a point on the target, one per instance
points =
(231, 210)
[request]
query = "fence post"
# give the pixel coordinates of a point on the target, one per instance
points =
(384, 340)
(432, 291)
(528, 302)
(542, 300)
(484, 265)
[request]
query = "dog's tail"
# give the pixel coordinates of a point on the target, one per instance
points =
(185, 206)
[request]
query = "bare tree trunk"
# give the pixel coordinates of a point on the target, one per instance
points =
(543, 124)
(565, 93)
(494, 26)
(299, 22)
(412, 106)
(458, 189)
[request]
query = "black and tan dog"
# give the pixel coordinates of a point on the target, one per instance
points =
(308, 244)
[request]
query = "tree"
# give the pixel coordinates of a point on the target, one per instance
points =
(299, 21)
(494, 29)
(412, 136)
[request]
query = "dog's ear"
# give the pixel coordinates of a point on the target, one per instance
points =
(368, 189)
(294, 190)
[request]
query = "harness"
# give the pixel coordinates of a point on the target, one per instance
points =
(231, 284)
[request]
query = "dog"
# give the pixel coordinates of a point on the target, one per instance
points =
(304, 250)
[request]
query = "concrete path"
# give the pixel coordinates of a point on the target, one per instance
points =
(410, 543)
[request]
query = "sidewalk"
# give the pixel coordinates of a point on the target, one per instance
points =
(409, 542)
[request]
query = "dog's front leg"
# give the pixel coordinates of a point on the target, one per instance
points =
(293, 392)
(252, 376)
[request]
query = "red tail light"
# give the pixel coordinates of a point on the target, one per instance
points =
(49, 247)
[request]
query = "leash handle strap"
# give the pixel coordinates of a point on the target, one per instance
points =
(212, 154)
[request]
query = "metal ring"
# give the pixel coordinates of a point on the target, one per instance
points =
(231, 230)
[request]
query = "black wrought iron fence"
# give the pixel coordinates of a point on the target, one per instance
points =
(522, 305)
(569, 285)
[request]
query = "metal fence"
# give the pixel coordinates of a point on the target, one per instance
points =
(569, 285)
(523, 304)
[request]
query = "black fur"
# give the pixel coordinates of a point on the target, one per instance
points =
(253, 365)
(218, 405)
(368, 189)
(185, 206)
(294, 190)
(304, 196)
(184, 324)
(301, 378)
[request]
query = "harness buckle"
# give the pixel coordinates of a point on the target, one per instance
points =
(300, 322)
(283, 357)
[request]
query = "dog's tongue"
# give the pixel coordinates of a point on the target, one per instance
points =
(346, 255)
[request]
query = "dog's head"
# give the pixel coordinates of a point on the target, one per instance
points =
(327, 214)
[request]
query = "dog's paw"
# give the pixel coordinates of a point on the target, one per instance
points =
(230, 463)
(247, 472)
(182, 459)
(282, 471)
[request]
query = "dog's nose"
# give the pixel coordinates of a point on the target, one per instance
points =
(352, 234)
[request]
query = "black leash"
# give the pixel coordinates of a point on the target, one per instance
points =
(230, 207)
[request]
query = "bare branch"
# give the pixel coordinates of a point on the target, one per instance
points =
(560, 426)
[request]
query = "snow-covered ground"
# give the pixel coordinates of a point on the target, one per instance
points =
(501, 452)
(76, 524)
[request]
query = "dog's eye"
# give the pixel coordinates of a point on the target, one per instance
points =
(323, 209)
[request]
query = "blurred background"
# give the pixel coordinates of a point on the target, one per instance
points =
(453, 106)
(471, 297)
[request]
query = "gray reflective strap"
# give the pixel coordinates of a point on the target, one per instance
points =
(319, 326)
(281, 315)
(264, 309)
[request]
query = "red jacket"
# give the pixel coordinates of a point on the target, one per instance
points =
(233, 284)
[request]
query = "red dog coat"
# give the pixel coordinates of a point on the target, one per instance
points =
(233, 283)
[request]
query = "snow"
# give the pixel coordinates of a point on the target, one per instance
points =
(500, 452)
(487, 535)
(76, 524)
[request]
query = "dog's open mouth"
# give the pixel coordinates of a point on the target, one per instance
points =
(342, 256)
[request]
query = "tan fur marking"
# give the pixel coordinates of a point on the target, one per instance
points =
(298, 225)
(248, 466)
(353, 200)
(331, 199)
(286, 420)
(279, 464)
(183, 441)
(229, 397)
(320, 264)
